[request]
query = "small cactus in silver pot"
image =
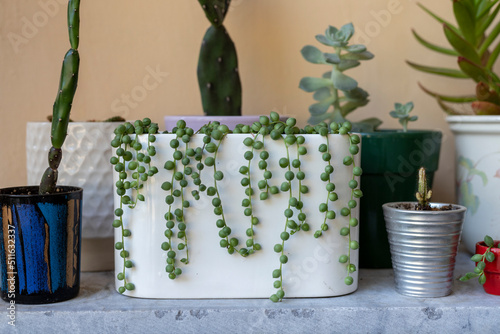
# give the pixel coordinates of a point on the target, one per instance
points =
(423, 194)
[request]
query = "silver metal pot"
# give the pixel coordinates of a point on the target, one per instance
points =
(423, 246)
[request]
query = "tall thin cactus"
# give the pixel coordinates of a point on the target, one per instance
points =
(218, 76)
(64, 99)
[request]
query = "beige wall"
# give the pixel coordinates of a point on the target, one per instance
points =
(121, 40)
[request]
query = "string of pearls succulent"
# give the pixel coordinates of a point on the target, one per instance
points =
(133, 171)
(188, 163)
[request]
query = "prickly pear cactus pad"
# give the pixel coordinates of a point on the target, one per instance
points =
(215, 10)
(218, 74)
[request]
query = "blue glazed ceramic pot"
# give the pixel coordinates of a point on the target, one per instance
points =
(40, 244)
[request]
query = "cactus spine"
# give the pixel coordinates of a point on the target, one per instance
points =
(64, 99)
(218, 76)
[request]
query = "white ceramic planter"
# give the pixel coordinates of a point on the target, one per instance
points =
(85, 164)
(477, 141)
(313, 269)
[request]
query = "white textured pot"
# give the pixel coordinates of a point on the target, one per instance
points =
(85, 164)
(477, 141)
(313, 269)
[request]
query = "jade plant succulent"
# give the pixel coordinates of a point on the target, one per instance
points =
(189, 162)
(335, 90)
(218, 74)
(64, 100)
(480, 260)
(473, 43)
(402, 113)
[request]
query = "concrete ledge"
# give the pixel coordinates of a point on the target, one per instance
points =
(374, 308)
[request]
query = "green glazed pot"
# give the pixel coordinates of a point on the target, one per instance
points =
(390, 161)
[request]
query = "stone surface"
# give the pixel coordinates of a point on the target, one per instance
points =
(374, 308)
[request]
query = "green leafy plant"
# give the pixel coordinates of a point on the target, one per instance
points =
(218, 73)
(129, 185)
(480, 260)
(423, 194)
(402, 114)
(132, 162)
(335, 90)
(473, 43)
(64, 100)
